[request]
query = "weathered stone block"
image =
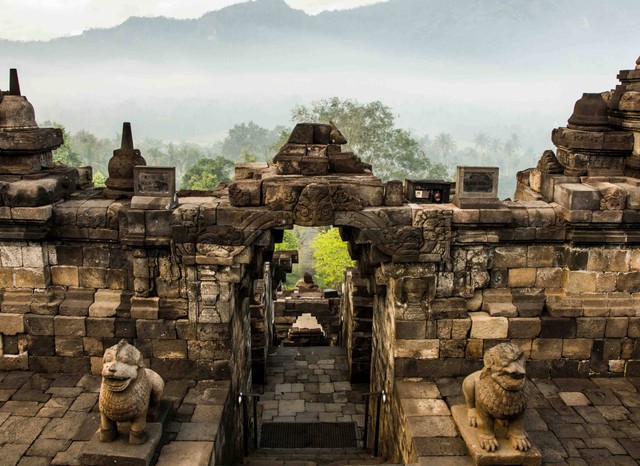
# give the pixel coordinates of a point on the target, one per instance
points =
(145, 308)
(11, 256)
(617, 327)
(410, 329)
(614, 260)
(524, 327)
(629, 282)
(452, 348)
(92, 346)
(577, 196)
(581, 282)
(633, 330)
(417, 349)
(69, 255)
(546, 348)
(38, 324)
(41, 345)
(541, 256)
(37, 214)
(460, 328)
(451, 308)
(69, 326)
(11, 324)
(158, 223)
(393, 193)
(245, 193)
(92, 277)
(32, 278)
(34, 256)
(106, 302)
(558, 327)
(590, 327)
(522, 277)
(510, 257)
(484, 326)
(606, 281)
(101, 327)
(63, 275)
(173, 349)
(77, 302)
(192, 453)
(156, 329)
(95, 257)
(6, 277)
(577, 348)
(69, 346)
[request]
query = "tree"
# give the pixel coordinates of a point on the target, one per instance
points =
(65, 153)
(331, 257)
(249, 142)
(99, 180)
(289, 242)
(371, 133)
(205, 174)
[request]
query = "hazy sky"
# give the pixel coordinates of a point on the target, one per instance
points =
(45, 19)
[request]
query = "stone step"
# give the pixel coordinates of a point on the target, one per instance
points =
(311, 457)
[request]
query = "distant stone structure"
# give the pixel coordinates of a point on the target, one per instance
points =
(128, 388)
(120, 180)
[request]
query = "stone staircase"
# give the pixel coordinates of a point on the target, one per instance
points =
(311, 457)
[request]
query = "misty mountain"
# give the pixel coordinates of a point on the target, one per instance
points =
(524, 32)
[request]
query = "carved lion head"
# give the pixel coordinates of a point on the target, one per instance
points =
(504, 363)
(120, 366)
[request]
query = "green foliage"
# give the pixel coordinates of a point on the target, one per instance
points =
(205, 174)
(331, 258)
(289, 242)
(249, 142)
(99, 180)
(371, 133)
(65, 153)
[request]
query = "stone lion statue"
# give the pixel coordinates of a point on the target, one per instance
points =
(126, 392)
(496, 393)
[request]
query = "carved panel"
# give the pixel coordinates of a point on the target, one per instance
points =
(314, 207)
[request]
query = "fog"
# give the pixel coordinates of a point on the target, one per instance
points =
(175, 89)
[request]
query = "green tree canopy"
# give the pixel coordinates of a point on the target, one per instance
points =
(205, 174)
(289, 242)
(371, 133)
(249, 142)
(65, 153)
(331, 257)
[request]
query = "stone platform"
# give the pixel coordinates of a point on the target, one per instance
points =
(504, 455)
(49, 419)
(572, 421)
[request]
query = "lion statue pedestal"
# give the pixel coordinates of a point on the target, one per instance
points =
(492, 422)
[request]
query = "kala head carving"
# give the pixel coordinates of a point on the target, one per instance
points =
(497, 393)
(127, 389)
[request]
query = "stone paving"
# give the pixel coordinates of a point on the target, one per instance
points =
(311, 384)
(572, 421)
(48, 418)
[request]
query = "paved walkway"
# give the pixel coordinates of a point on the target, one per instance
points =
(311, 384)
(48, 418)
(577, 422)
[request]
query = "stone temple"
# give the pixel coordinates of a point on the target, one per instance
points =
(188, 279)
